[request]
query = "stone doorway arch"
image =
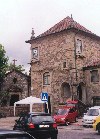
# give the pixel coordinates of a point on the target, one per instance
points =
(15, 93)
(65, 91)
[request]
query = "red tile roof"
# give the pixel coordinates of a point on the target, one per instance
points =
(65, 24)
(93, 63)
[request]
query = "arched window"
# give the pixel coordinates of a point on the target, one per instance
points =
(46, 78)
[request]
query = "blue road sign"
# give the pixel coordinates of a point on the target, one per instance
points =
(44, 96)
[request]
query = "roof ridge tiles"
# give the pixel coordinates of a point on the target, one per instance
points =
(65, 23)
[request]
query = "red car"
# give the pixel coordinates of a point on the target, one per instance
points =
(66, 115)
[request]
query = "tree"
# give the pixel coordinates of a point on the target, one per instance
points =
(3, 64)
(4, 97)
(15, 67)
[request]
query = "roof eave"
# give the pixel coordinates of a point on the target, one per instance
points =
(91, 67)
(69, 28)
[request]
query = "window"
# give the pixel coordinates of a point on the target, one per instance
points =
(94, 76)
(64, 65)
(35, 53)
(72, 110)
(46, 78)
(41, 118)
(78, 46)
(14, 80)
(93, 112)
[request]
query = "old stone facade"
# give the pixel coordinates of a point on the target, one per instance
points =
(17, 85)
(92, 83)
(57, 60)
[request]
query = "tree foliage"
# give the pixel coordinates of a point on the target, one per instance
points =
(3, 62)
(4, 96)
(15, 67)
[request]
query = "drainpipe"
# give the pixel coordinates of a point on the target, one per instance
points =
(75, 58)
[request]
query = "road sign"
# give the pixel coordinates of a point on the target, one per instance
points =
(44, 96)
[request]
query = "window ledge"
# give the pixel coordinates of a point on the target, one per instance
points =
(95, 82)
(65, 68)
(80, 56)
(34, 60)
(46, 85)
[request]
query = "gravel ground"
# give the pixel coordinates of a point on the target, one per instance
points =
(7, 123)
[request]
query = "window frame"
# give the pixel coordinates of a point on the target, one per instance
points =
(46, 78)
(64, 65)
(96, 78)
(79, 49)
(35, 56)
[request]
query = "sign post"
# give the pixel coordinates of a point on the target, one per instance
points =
(44, 97)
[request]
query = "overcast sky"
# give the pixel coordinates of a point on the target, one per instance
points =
(18, 17)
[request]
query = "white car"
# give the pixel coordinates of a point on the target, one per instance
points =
(91, 114)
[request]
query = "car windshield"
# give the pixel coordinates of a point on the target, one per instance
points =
(62, 111)
(42, 118)
(93, 112)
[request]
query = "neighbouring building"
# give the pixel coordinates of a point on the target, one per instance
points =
(17, 85)
(65, 62)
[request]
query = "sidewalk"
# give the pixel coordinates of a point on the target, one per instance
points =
(7, 123)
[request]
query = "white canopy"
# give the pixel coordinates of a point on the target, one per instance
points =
(29, 100)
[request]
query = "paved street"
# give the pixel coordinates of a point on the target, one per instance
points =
(77, 131)
(73, 131)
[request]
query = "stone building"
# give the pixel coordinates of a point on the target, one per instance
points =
(60, 60)
(17, 85)
(92, 79)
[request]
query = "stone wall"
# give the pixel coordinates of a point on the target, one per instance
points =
(17, 83)
(9, 110)
(53, 51)
(92, 88)
(21, 83)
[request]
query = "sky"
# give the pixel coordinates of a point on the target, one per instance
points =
(18, 17)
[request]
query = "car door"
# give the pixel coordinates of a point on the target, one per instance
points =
(71, 115)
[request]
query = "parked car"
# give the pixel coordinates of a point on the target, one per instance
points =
(66, 115)
(96, 124)
(78, 104)
(10, 134)
(91, 114)
(37, 124)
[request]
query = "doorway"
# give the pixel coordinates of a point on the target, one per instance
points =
(65, 91)
(13, 99)
(79, 92)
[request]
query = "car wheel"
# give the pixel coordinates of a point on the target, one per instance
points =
(66, 123)
(15, 128)
(84, 125)
(54, 137)
(98, 129)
